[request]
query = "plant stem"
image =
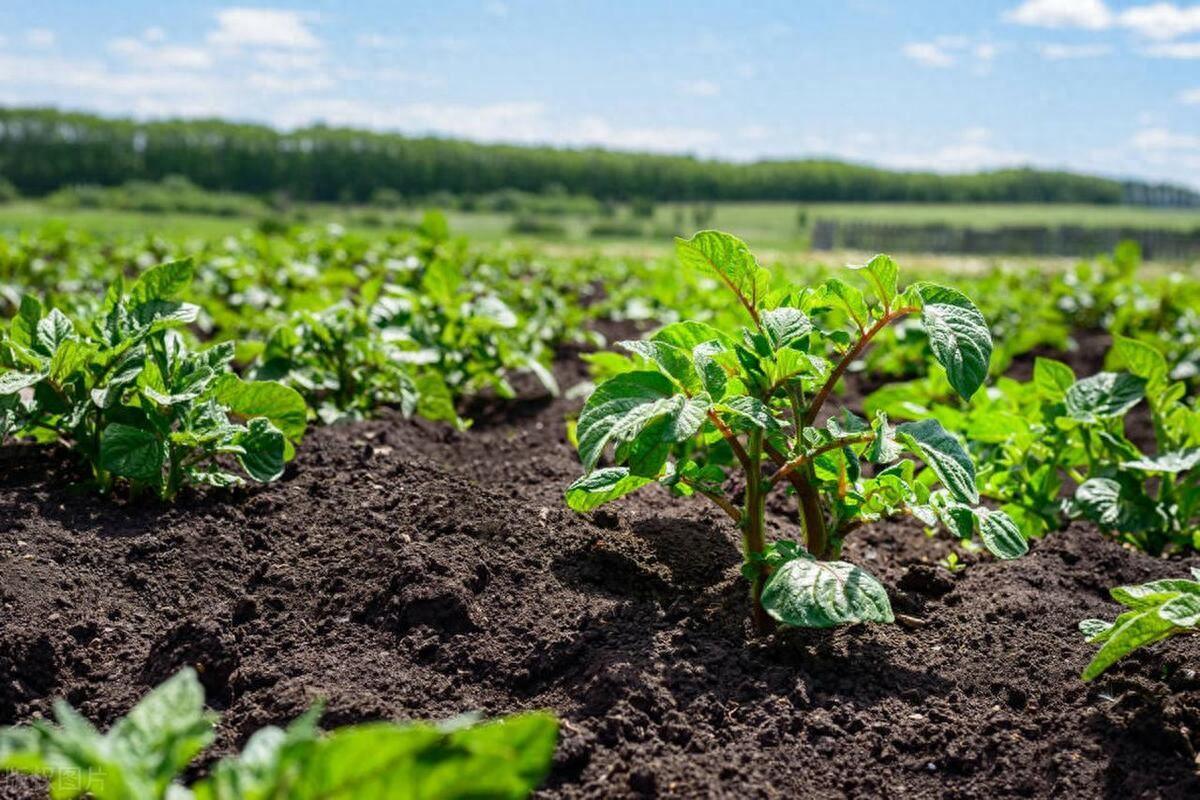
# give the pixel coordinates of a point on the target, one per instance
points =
(816, 538)
(753, 538)
(851, 354)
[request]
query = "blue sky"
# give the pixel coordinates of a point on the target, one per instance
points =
(1096, 85)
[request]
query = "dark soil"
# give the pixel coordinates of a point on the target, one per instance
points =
(402, 570)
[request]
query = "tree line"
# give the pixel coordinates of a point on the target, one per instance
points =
(42, 150)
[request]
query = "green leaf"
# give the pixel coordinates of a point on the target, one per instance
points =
(435, 401)
(1141, 359)
(1104, 395)
(883, 274)
(1182, 611)
(52, 330)
(71, 356)
(1115, 506)
(836, 293)
(686, 335)
(785, 326)
(601, 486)
(263, 447)
(1000, 534)
(673, 361)
(166, 729)
(746, 413)
(13, 382)
(502, 759)
(281, 404)
(958, 336)
(1052, 378)
(1174, 462)
(934, 445)
(1133, 630)
(626, 404)
(1092, 628)
(1154, 593)
(138, 758)
(730, 259)
(163, 282)
(821, 594)
(711, 373)
(132, 453)
(23, 329)
(883, 448)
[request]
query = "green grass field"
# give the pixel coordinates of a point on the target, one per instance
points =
(773, 227)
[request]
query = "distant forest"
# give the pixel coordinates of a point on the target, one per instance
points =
(42, 150)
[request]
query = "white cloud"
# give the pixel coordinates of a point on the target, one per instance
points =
(139, 51)
(1089, 14)
(700, 88)
(154, 34)
(1191, 97)
(379, 41)
(40, 37)
(263, 27)
(1065, 52)
(946, 51)
(275, 83)
(1157, 140)
(1161, 20)
(928, 54)
(1184, 50)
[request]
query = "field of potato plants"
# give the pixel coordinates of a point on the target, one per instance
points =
(303, 514)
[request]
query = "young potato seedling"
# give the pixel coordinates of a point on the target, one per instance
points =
(751, 401)
(125, 392)
(143, 755)
(1157, 610)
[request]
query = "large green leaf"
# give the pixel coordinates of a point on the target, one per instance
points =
(623, 406)
(808, 593)
(934, 445)
(138, 758)
(505, 758)
(958, 336)
(281, 404)
(1104, 395)
(730, 259)
(601, 486)
(132, 453)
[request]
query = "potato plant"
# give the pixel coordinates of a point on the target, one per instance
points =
(124, 391)
(752, 401)
(1039, 438)
(144, 754)
(1157, 610)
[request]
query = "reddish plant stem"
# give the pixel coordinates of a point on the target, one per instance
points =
(819, 399)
